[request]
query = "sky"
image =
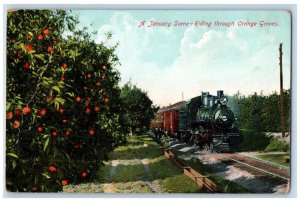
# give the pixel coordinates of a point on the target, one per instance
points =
(169, 61)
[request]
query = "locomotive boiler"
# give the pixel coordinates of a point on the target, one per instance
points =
(205, 120)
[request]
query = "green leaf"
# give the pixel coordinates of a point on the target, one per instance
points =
(14, 164)
(60, 100)
(40, 56)
(12, 155)
(8, 104)
(71, 94)
(56, 88)
(56, 104)
(46, 143)
(46, 176)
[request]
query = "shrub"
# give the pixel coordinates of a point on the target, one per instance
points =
(254, 141)
(277, 144)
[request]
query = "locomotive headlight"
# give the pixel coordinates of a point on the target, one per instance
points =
(224, 118)
(223, 100)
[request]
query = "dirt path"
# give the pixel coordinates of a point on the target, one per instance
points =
(144, 185)
(111, 187)
(154, 185)
(138, 167)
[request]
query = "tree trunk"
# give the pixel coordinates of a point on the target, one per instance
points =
(131, 131)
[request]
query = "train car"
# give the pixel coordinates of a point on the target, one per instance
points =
(205, 120)
(170, 118)
(171, 122)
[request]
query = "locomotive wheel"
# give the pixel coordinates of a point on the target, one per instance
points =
(206, 147)
(195, 141)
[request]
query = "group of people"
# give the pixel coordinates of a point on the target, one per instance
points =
(158, 132)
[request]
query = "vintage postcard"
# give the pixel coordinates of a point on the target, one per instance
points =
(148, 101)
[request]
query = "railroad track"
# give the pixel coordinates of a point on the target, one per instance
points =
(262, 166)
(256, 164)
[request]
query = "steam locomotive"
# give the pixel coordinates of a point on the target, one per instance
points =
(205, 121)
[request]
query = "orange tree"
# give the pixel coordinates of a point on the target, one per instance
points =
(63, 106)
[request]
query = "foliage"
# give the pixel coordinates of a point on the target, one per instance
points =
(253, 141)
(64, 112)
(251, 112)
(259, 112)
(138, 106)
(277, 144)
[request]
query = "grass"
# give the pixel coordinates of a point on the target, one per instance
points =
(275, 158)
(158, 169)
(179, 184)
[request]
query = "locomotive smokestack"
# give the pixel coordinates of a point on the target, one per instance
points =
(220, 93)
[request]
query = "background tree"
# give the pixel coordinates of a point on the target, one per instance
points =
(63, 104)
(234, 102)
(271, 113)
(251, 111)
(259, 112)
(138, 107)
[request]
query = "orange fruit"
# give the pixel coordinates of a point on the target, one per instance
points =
(61, 110)
(83, 174)
(91, 132)
(104, 67)
(40, 37)
(50, 48)
(77, 146)
(67, 132)
(98, 84)
(49, 98)
(46, 31)
(96, 108)
(26, 110)
(42, 112)
(52, 168)
(64, 65)
(16, 124)
(106, 99)
(9, 115)
(40, 129)
(53, 133)
(26, 65)
(77, 99)
(64, 182)
(18, 112)
(28, 47)
(88, 110)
